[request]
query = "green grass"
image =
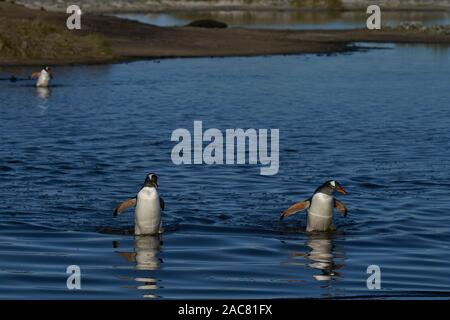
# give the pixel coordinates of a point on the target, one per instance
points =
(25, 40)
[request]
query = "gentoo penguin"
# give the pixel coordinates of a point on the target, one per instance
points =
(43, 76)
(148, 203)
(320, 207)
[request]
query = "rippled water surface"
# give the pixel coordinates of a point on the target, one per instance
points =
(376, 120)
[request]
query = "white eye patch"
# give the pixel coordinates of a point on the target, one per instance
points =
(150, 176)
(333, 183)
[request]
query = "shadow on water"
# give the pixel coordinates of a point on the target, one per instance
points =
(145, 256)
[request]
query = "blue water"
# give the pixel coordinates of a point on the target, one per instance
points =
(376, 120)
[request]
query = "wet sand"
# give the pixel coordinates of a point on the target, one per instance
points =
(131, 40)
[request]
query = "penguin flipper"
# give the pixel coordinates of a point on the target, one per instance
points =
(124, 205)
(128, 256)
(341, 207)
(299, 206)
(162, 203)
(35, 74)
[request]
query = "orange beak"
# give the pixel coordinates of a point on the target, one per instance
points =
(341, 190)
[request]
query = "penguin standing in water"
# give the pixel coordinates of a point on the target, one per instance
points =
(43, 77)
(148, 205)
(320, 207)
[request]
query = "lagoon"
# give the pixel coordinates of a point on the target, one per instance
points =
(376, 120)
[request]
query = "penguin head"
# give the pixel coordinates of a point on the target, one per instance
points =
(49, 71)
(330, 187)
(151, 180)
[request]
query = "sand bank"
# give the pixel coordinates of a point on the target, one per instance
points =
(110, 39)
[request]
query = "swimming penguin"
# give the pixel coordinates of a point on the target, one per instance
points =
(148, 208)
(43, 76)
(320, 207)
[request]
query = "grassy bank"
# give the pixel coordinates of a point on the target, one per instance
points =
(36, 40)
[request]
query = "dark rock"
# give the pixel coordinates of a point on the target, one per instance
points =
(208, 24)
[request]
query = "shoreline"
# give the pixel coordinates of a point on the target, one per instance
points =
(130, 40)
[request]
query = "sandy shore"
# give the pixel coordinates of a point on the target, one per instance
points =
(129, 40)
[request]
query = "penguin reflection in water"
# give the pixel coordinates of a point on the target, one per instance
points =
(145, 254)
(321, 256)
(145, 257)
(320, 207)
(148, 205)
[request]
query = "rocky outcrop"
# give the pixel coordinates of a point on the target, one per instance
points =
(208, 23)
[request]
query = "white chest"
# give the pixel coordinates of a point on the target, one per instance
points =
(148, 193)
(147, 214)
(43, 79)
(322, 205)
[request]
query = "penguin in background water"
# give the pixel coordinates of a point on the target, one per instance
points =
(43, 77)
(148, 205)
(320, 207)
